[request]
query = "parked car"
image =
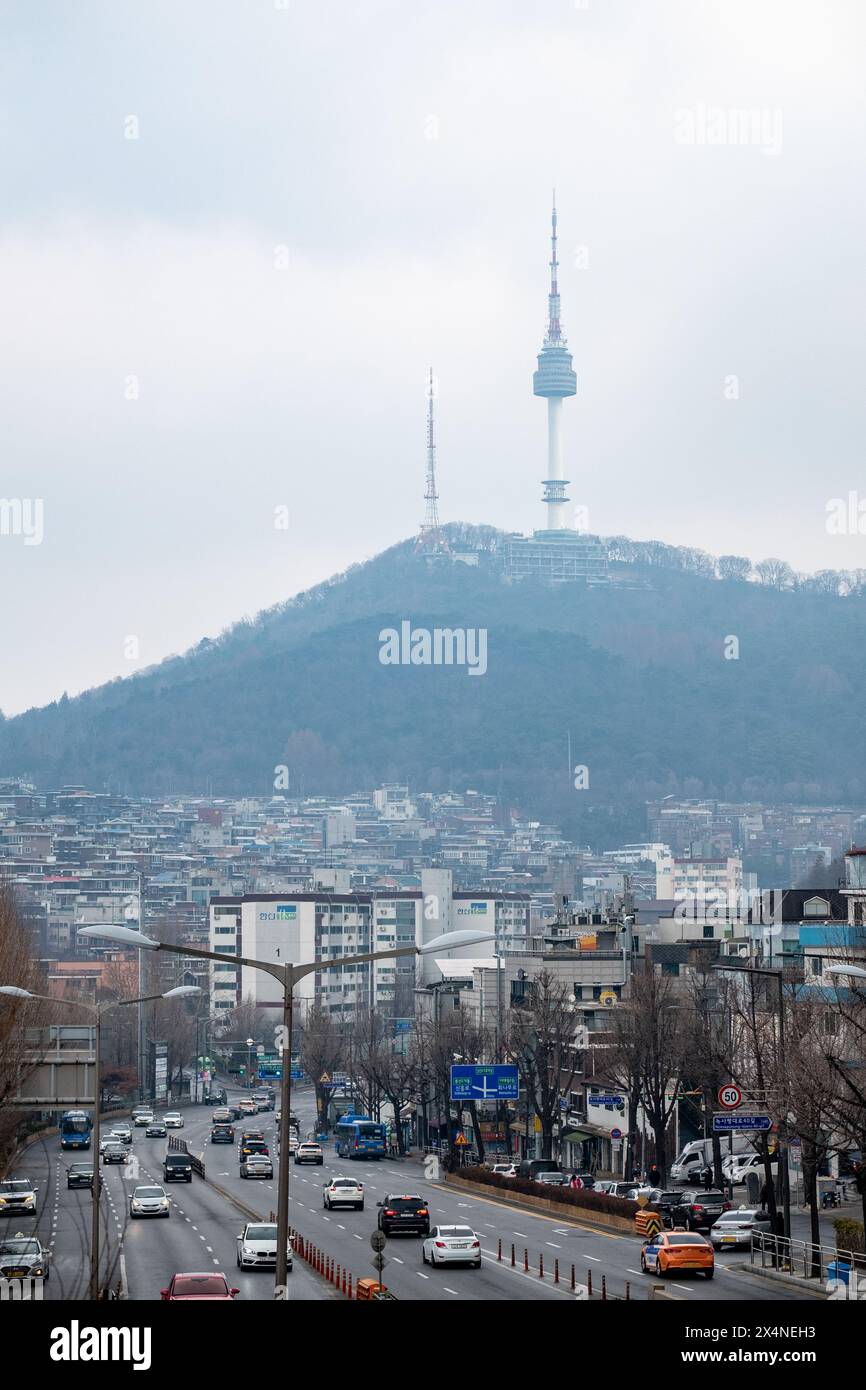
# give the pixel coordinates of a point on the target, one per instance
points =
(451, 1245)
(735, 1167)
(505, 1170)
(203, 1287)
(552, 1179)
(734, 1229)
(531, 1167)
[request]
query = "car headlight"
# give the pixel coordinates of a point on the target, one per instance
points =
(136, 1205)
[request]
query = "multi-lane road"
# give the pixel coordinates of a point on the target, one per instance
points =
(207, 1215)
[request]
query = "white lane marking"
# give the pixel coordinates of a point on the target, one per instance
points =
(685, 1288)
(553, 1245)
(209, 1249)
(355, 1234)
(521, 1234)
(564, 1232)
(447, 1290)
(342, 1228)
(632, 1271)
(396, 1261)
(596, 1259)
(422, 1276)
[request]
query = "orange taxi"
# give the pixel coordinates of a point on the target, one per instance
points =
(677, 1251)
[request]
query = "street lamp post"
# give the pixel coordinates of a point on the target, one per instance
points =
(96, 1011)
(250, 1042)
(288, 977)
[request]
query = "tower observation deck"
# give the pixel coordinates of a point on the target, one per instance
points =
(554, 379)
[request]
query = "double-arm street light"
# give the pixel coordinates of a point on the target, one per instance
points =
(288, 977)
(96, 1012)
(776, 975)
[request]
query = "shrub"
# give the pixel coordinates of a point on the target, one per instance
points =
(584, 1197)
(849, 1235)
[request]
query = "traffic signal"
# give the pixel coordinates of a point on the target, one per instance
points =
(242, 1070)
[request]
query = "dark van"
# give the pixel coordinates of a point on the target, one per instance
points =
(530, 1167)
(177, 1167)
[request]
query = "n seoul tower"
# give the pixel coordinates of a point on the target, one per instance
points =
(554, 379)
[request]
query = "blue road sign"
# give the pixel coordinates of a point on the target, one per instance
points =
(496, 1082)
(725, 1124)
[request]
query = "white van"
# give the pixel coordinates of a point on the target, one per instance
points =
(735, 1168)
(698, 1155)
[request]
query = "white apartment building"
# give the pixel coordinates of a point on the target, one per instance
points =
(700, 880)
(299, 927)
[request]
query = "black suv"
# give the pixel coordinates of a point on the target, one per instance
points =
(222, 1134)
(671, 1206)
(177, 1167)
(404, 1213)
(701, 1209)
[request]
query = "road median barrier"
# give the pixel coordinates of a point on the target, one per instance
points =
(565, 1210)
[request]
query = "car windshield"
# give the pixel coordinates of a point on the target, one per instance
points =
(200, 1284)
(686, 1240)
(261, 1233)
(148, 1192)
(19, 1247)
(16, 1185)
(81, 1168)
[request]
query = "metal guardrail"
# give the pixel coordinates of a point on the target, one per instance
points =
(801, 1259)
(176, 1145)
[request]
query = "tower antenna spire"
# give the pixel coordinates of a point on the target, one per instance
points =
(555, 379)
(431, 538)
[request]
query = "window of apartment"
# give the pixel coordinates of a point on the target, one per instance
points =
(817, 963)
(670, 967)
(226, 950)
(225, 931)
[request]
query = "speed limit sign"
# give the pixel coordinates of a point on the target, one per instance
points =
(730, 1096)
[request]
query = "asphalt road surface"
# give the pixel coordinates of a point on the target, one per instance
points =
(141, 1254)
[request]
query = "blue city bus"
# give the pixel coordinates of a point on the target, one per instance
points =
(75, 1127)
(357, 1136)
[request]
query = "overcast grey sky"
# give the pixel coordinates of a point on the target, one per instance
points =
(403, 154)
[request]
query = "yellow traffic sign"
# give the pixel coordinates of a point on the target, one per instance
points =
(461, 1141)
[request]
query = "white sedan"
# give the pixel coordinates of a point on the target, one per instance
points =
(149, 1201)
(173, 1120)
(257, 1246)
(452, 1245)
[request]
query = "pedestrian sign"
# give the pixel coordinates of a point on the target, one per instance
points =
(324, 1079)
(461, 1141)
